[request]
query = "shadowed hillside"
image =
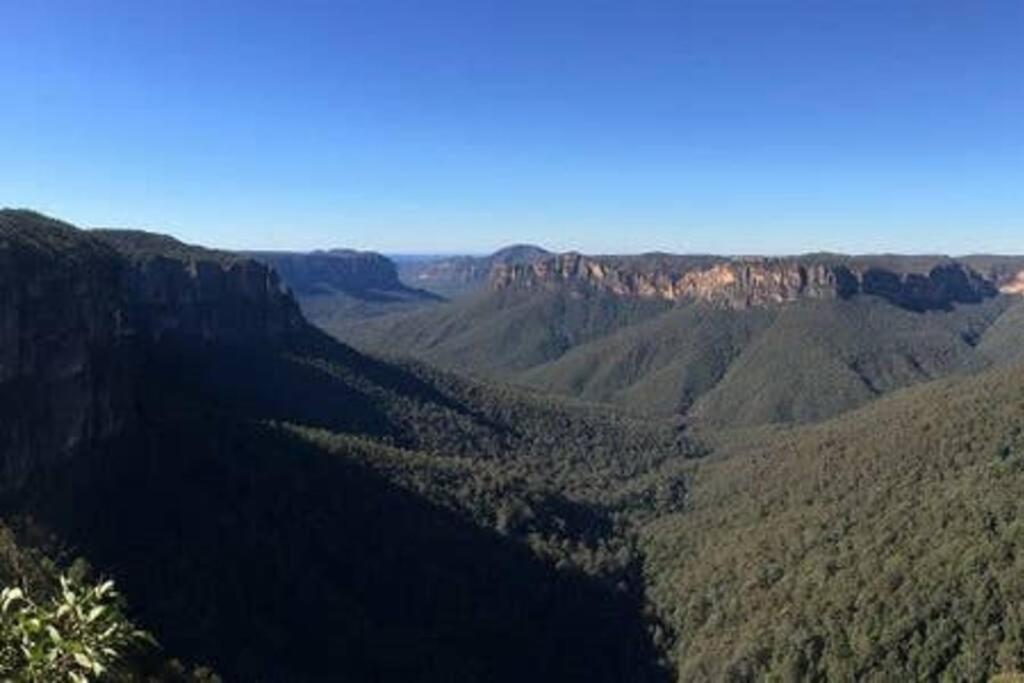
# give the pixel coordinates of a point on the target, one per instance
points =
(341, 287)
(281, 506)
(456, 276)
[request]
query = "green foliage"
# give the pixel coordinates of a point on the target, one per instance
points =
(659, 366)
(348, 517)
(788, 554)
(499, 333)
(306, 512)
(820, 359)
(883, 545)
(79, 635)
(799, 362)
(1003, 343)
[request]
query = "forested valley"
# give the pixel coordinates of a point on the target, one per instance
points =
(274, 504)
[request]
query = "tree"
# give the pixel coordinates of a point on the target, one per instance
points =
(78, 635)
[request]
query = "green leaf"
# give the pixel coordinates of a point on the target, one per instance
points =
(10, 595)
(83, 661)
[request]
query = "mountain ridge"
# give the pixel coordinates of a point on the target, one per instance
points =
(339, 287)
(76, 306)
(754, 281)
(283, 506)
(641, 331)
(224, 461)
(460, 275)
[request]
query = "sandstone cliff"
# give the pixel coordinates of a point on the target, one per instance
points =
(172, 289)
(342, 270)
(60, 380)
(76, 309)
(461, 274)
(1013, 285)
(743, 283)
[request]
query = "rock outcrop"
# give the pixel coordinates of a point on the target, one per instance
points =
(342, 270)
(62, 381)
(460, 274)
(743, 283)
(169, 289)
(76, 309)
(1014, 285)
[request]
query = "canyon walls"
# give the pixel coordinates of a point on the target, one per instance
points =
(743, 283)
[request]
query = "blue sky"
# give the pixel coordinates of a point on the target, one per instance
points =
(763, 126)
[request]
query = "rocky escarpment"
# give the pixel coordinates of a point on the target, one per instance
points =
(61, 378)
(1013, 284)
(340, 288)
(342, 270)
(744, 283)
(461, 274)
(76, 309)
(170, 289)
(1007, 272)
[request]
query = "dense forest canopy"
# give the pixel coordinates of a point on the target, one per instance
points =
(811, 490)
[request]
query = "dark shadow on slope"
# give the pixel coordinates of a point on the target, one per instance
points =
(263, 382)
(400, 294)
(315, 380)
(317, 344)
(944, 286)
(272, 561)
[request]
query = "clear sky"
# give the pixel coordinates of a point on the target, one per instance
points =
(767, 126)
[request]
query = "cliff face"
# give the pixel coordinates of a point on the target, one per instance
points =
(60, 382)
(341, 270)
(461, 274)
(172, 290)
(76, 308)
(1014, 285)
(743, 283)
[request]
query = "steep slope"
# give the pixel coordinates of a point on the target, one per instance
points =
(75, 308)
(800, 362)
(457, 276)
(1003, 342)
(591, 327)
(340, 287)
(1006, 271)
(285, 508)
(883, 545)
(818, 359)
(501, 332)
(660, 365)
(59, 384)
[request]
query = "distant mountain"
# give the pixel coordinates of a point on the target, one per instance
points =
(460, 275)
(725, 340)
(360, 273)
(742, 283)
(339, 286)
